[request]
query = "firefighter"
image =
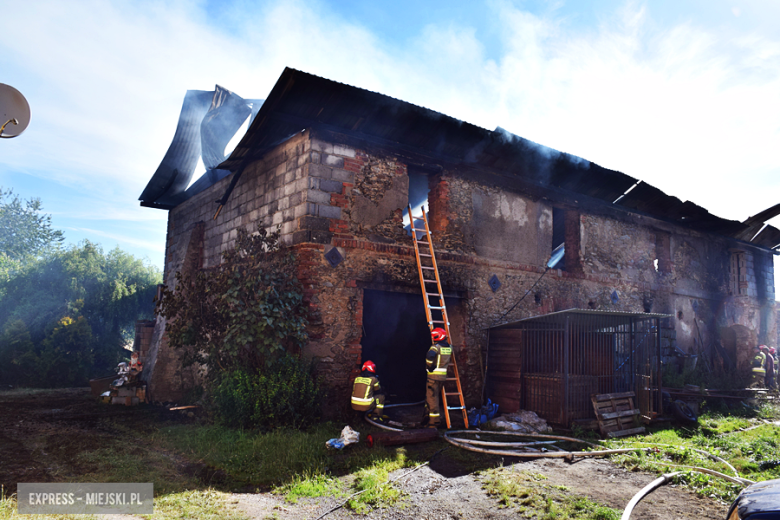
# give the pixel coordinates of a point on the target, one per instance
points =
(367, 395)
(769, 379)
(773, 353)
(759, 367)
(437, 360)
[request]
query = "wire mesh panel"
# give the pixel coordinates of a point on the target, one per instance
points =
(565, 357)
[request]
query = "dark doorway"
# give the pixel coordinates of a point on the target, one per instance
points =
(396, 338)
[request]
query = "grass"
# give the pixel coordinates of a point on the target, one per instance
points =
(297, 464)
(532, 498)
(753, 453)
(205, 504)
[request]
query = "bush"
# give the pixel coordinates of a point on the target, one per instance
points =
(284, 395)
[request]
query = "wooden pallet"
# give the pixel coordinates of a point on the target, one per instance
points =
(616, 414)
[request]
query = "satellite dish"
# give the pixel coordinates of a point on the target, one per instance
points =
(14, 112)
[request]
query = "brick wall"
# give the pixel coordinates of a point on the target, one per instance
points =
(325, 194)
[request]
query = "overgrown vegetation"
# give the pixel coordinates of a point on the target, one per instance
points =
(285, 395)
(700, 375)
(527, 492)
(65, 313)
(745, 437)
(246, 321)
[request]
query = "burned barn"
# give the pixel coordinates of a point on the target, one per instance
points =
(521, 231)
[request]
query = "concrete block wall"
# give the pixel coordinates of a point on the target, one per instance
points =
(273, 193)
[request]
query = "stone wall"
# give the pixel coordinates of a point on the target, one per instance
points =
(328, 195)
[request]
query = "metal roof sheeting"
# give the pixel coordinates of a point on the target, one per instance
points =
(581, 312)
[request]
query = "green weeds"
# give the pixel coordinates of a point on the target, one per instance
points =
(532, 498)
(748, 443)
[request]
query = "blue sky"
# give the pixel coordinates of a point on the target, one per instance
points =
(682, 94)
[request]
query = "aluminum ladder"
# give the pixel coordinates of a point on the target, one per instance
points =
(427, 286)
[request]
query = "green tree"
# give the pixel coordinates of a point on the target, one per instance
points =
(25, 232)
(109, 291)
(18, 360)
(67, 354)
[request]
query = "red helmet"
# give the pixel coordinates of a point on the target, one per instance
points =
(370, 366)
(772, 350)
(438, 334)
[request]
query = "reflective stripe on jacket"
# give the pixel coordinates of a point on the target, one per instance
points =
(759, 362)
(438, 359)
(363, 392)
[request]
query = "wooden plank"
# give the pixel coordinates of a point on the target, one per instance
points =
(623, 433)
(607, 397)
(614, 415)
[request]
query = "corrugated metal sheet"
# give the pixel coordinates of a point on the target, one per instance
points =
(207, 123)
(583, 312)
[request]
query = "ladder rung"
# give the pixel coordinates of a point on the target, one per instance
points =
(436, 308)
(420, 230)
(452, 379)
(451, 393)
(433, 293)
(426, 280)
(422, 242)
(423, 254)
(454, 408)
(428, 268)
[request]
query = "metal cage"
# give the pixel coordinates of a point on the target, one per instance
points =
(553, 364)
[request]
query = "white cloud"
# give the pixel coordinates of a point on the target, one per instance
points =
(687, 108)
(158, 246)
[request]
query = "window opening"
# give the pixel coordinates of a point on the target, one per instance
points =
(558, 250)
(418, 197)
(663, 255)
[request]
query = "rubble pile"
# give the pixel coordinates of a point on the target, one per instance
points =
(521, 422)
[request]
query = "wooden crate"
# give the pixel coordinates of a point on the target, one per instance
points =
(616, 414)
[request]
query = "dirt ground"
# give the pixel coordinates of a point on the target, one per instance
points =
(439, 492)
(42, 434)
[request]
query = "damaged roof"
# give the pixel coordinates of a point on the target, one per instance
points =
(300, 100)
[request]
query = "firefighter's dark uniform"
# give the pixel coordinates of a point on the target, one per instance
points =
(437, 361)
(769, 379)
(367, 395)
(759, 369)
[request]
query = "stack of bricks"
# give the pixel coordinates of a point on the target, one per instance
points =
(144, 330)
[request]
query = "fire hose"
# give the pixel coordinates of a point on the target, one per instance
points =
(494, 448)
